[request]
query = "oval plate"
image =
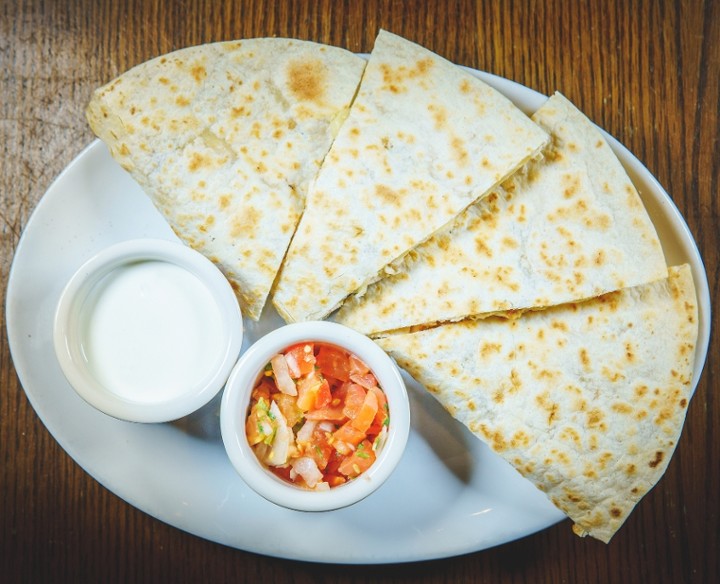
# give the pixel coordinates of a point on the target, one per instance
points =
(470, 498)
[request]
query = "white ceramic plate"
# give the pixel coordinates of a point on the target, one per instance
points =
(450, 495)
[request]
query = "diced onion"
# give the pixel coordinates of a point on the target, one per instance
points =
(379, 442)
(326, 426)
(305, 433)
(282, 375)
(280, 448)
(308, 470)
(293, 365)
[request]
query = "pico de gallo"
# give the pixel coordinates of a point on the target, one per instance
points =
(317, 417)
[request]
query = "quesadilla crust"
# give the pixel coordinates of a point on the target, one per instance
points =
(568, 226)
(585, 400)
(225, 139)
(423, 140)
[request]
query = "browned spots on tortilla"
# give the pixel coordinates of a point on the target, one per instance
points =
(551, 408)
(488, 348)
(595, 418)
(394, 78)
(494, 438)
(465, 86)
(629, 352)
(615, 512)
(603, 459)
(657, 460)
(460, 153)
(509, 242)
(559, 325)
(245, 224)
(622, 408)
(439, 115)
(520, 440)
(198, 73)
(209, 222)
(421, 67)
(584, 358)
(483, 248)
(515, 381)
(198, 161)
(572, 188)
(223, 202)
(307, 80)
(570, 434)
(388, 195)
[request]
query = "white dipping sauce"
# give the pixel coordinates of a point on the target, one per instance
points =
(152, 330)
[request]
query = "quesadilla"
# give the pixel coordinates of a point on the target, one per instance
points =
(225, 139)
(423, 139)
(568, 226)
(585, 400)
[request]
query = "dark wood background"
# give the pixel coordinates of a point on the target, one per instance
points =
(646, 71)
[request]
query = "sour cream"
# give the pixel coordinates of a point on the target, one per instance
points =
(151, 330)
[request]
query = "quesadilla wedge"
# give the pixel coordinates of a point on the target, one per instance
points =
(423, 140)
(225, 139)
(586, 400)
(568, 226)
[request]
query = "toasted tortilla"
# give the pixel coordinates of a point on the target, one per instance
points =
(225, 139)
(423, 140)
(568, 226)
(586, 400)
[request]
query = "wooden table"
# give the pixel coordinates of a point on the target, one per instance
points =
(646, 71)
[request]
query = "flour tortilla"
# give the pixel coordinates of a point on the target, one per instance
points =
(423, 140)
(585, 400)
(568, 226)
(225, 139)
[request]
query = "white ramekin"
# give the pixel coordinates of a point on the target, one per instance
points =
(73, 316)
(236, 399)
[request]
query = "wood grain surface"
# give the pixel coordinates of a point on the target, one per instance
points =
(646, 71)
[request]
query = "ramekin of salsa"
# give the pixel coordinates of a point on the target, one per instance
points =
(315, 416)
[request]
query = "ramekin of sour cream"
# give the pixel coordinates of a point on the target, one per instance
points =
(147, 330)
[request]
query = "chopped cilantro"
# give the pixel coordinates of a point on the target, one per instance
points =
(360, 451)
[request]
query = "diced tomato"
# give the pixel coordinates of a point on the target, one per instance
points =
(354, 399)
(359, 461)
(339, 391)
(367, 380)
(308, 388)
(288, 408)
(334, 462)
(366, 413)
(357, 366)
(334, 480)
(382, 416)
(330, 413)
(282, 471)
(301, 359)
(333, 363)
(319, 449)
(264, 389)
(323, 397)
(346, 437)
(373, 430)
